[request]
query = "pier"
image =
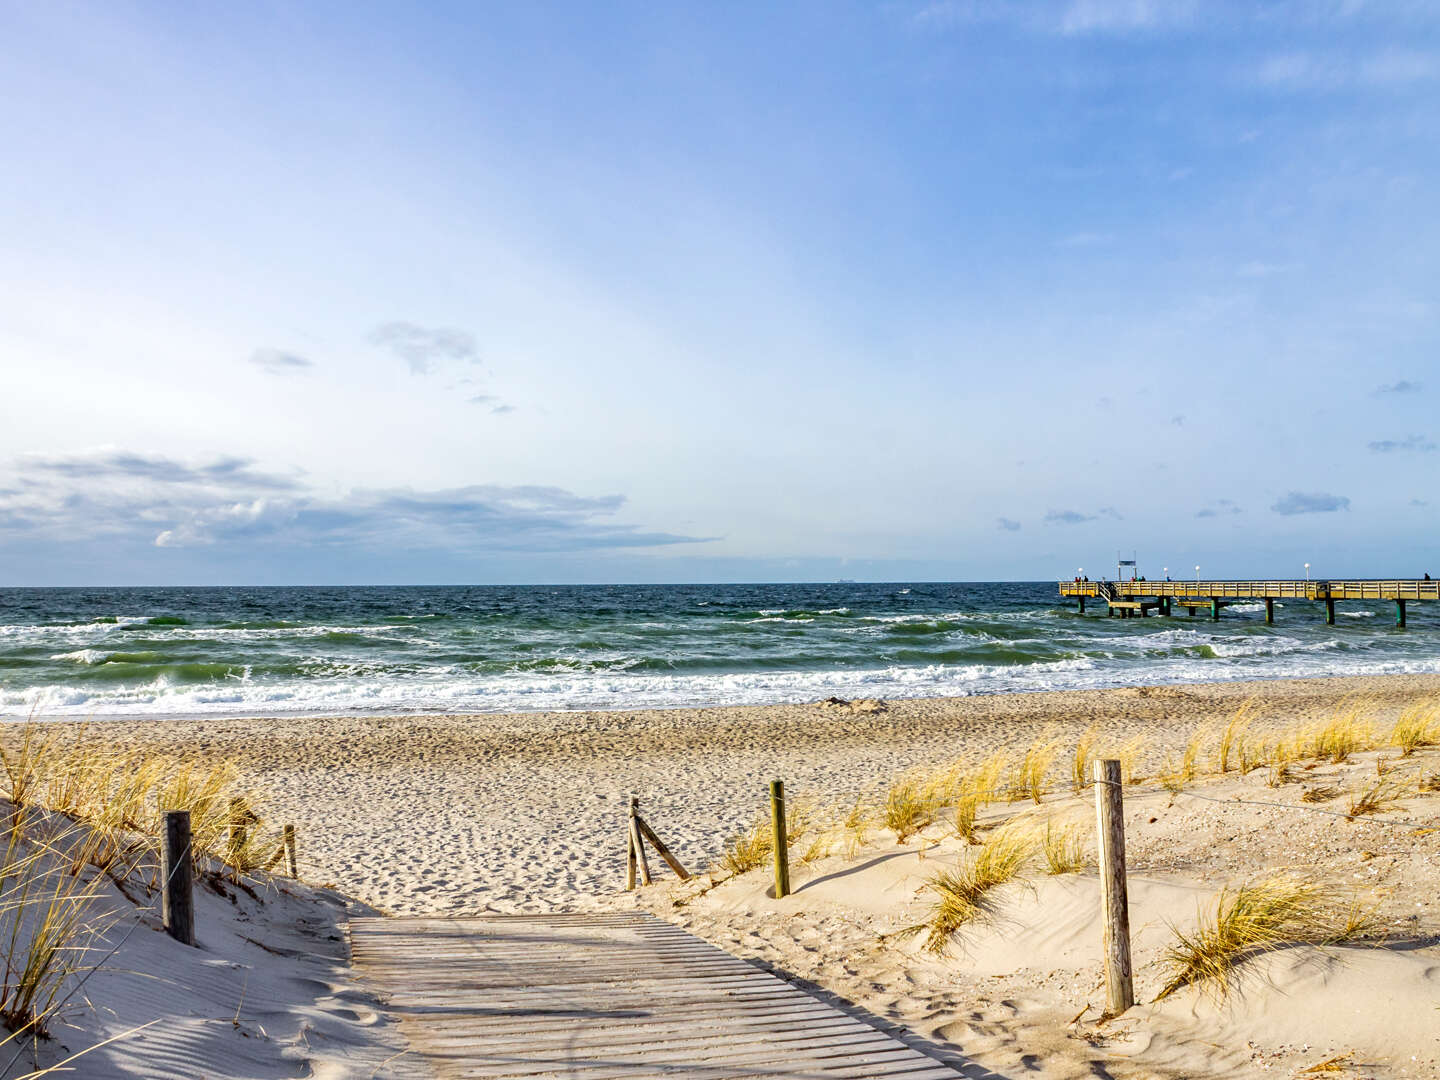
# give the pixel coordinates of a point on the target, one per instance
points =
(1128, 599)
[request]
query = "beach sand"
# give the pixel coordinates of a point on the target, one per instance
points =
(458, 814)
(525, 812)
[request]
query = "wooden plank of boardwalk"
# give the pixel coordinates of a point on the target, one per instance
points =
(608, 995)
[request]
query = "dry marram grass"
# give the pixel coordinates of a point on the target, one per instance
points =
(962, 894)
(1256, 918)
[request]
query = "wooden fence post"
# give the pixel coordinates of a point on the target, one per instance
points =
(782, 851)
(177, 897)
(629, 859)
(1114, 900)
(292, 864)
(636, 845)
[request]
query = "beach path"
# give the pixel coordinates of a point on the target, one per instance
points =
(608, 995)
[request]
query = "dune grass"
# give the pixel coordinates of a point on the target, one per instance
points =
(1234, 735)
(1373, 798)
(1034, 767)
(1080, 763)
(1346, 732)
(966, 809)
(962, 893)
(907, 809)
(1417, 726)
(1256, 918)
(1064, 850)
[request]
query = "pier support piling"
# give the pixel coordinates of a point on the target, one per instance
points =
(1214, 610)
(1400, 613)
(1082, 605)
(1269, 610)
(1329, 612)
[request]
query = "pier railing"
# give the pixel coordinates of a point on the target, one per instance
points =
(1350, 589)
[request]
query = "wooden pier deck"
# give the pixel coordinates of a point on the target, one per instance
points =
(608, 995)
(1128, 598)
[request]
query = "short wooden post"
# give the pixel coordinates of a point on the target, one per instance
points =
(177, 897)
(291, 863)
(636, 844)
(1114, 900)
(629, 859)
(782, 850)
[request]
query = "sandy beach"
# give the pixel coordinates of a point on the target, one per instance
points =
(524, 812)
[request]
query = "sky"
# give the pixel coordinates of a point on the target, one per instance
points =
(569, 292)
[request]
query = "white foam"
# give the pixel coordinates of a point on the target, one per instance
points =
(83, 656)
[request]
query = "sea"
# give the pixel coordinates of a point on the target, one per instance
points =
(111, 652)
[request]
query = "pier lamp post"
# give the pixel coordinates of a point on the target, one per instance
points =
(1197, 575)
(1307, 571)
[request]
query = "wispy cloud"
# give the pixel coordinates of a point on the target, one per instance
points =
(1391, 69)
(1007, 524)
(1400, 386)
(118, 466)
(1086, 240)
(1257, 269)
(279, 362)
(1411, 443)
(170, 504)
(1300, 502)
(1220, 508)
(1124, 16)
(1067, 17)
(424, 348)
(1067, 517)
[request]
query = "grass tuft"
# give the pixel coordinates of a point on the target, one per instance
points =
(1080, 765)
(1064, 852)
(1373, 799)
(907, 809)
(1345, 733)
(962, 894)
(1233, 736)
(1418, 725)
(1255, 918)
(1030, 774)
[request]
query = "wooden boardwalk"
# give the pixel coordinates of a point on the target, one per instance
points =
(621, 995)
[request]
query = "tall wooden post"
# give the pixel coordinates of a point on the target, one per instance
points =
(1214, 610)
(1400, 613)
(177, 896)
(1329, 611)
(782, 850)
(1269, 610)
(292, 864)
(1082, 605)
(1114, 900)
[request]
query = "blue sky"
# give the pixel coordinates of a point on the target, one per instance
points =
(578, 292)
